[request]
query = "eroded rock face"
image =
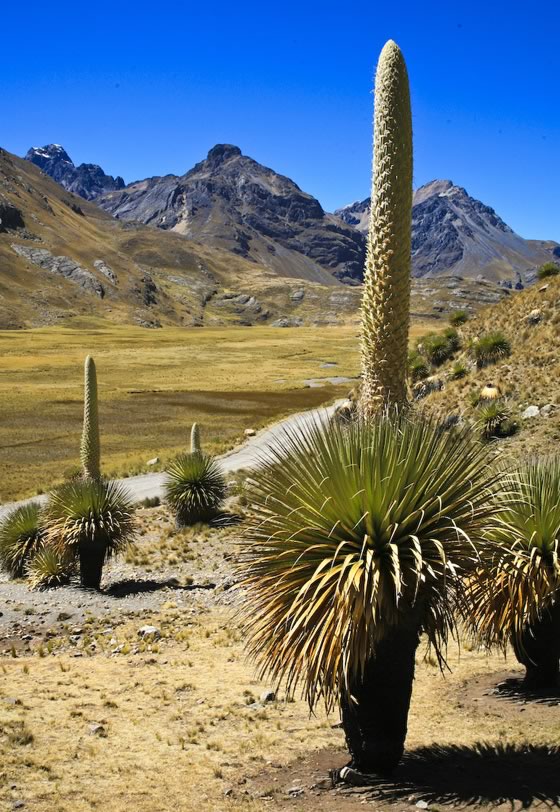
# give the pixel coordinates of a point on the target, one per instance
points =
(11, 217)
(63, 266)
(453, 233)
(231, 201)
(86, 180)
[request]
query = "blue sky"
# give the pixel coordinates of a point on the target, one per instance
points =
(146, 90)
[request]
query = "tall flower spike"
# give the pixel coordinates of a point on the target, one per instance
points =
(386, 295)
(195, 439)
(90, 452)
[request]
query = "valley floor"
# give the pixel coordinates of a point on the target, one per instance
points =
(96, 712)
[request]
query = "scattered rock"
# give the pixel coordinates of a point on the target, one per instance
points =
(153, 461)
(103, 268)
(98, 729)
(421, 804)
(546, 410)
(149, 631)
(534, 316)
(423, 388)
(249, 432)
(268, 696)
(530, 412)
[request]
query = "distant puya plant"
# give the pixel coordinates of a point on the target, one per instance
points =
(90, 448)
(195, 439)
(385, 313)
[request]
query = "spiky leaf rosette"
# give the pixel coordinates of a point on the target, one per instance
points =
(522, 579)
(21, 533)
(90, 512)
(50, 568)
(386, 294)
(90, 449)
(195, 439)
(354, 530)
(195, 488)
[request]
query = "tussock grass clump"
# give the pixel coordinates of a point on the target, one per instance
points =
(459, 370)
(50, 568)
(490, 348)
(436, 348)
(195, 488)
(21, 534)
(495, 420)
(453, 340)
(458, 317)
(92, 519)
(548, 269)
(418, 368)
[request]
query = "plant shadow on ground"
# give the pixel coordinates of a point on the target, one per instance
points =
(516, 691)
(485, 773)
(132, 586)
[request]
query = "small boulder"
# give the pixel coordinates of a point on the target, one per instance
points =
(149, 631)
(534, 316)
(249, 432)
(546, 410)
(153, 461)
(268, 696)
(98, 730)
(530, 412)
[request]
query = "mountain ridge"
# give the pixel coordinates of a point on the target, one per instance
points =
(454, 233)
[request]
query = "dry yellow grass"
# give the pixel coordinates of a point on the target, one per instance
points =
(153, 384)
(529, 376)
(178, 729)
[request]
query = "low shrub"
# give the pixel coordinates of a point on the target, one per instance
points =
(452, 338)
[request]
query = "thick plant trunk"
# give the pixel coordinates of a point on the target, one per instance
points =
(375, 717)
(92, 558)
(539, 651)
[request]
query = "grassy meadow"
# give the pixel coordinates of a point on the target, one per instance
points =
(152, 385)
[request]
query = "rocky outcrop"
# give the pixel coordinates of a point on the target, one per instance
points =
(11, 218)
(86, 180)
(453, 233)
(231, 201)
(63, 266)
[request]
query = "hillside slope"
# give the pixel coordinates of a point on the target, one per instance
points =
(455, 234)
(528, 377)
(63, 258)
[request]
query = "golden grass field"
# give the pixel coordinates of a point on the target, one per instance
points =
(153, 384)
(178, 733)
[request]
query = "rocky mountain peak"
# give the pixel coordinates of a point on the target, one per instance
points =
(222, 153)
(50, 153)
(454, 233)
(87, 180)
